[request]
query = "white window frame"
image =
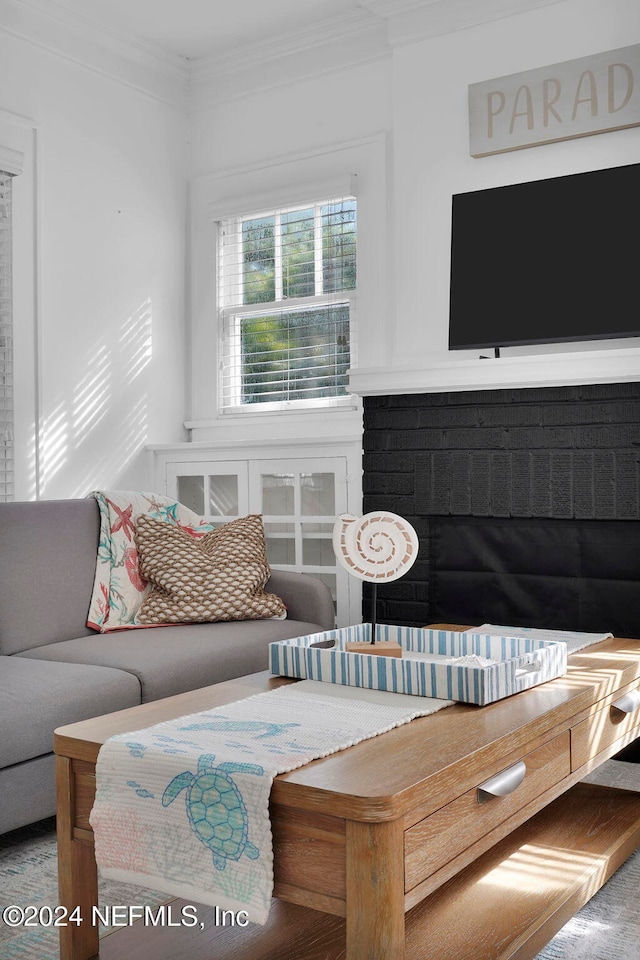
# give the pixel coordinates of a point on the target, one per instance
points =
(19, 138)
(11, 166)
(231, 314)
(7, 443)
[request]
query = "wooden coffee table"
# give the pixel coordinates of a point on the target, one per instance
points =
(383, 851)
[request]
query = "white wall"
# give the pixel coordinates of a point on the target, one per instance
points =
(432, 161)
(268, 149)
(417, 96)
(110, 231)
(111, 171)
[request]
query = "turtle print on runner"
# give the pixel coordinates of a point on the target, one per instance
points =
(215, 808)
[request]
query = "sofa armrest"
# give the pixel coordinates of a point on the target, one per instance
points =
(306, 598)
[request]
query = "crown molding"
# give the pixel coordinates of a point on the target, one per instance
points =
(390, 8)
(363, 36)
(327, 31)
(410, 21)
(366, 35)
(128, 60)
(334, 44)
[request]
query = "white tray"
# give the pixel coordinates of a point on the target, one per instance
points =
(423, 669)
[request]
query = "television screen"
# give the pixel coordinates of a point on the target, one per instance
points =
(547, 261)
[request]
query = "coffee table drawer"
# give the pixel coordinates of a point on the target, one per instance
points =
(439, 838)
(617, 719)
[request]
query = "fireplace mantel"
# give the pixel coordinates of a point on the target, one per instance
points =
(539, 370)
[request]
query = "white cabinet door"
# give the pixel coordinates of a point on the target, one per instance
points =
(299, 500)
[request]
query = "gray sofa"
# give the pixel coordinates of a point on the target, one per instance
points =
(55, 670)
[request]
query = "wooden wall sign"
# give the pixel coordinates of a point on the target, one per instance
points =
(576, 98)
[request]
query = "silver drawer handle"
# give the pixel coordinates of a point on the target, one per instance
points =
(503, 783)
(628, 703)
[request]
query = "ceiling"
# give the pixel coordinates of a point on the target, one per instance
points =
(209, 28)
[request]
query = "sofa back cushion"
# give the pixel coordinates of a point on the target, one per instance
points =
(48, 554)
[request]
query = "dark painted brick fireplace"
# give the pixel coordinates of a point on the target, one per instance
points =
(554, 453)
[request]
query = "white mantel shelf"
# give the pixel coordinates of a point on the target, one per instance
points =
(541, 370)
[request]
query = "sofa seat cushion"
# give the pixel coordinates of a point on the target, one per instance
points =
(173, 659)
(37, 696)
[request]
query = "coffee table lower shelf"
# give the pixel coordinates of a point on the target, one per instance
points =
(506, 905)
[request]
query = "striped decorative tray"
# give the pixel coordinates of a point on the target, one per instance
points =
(493, 667)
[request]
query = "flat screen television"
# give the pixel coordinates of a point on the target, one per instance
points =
(549, 261)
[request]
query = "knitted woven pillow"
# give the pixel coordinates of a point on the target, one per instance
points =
(220, 576)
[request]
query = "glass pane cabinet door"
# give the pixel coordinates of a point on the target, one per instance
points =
(224, 495)
(318, 494)
(190, 492)
(317, 546)
(218, 491)
(281, 543)
(278, 494)
(299, 501)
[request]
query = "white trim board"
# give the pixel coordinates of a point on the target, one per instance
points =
(363, 36)
(541, 370)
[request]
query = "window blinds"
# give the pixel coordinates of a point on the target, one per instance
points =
(286, 290)
(6, 343)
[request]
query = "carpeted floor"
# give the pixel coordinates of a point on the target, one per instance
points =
(28, 875)
(607, 927)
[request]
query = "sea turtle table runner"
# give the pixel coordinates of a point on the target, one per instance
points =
(183, 806)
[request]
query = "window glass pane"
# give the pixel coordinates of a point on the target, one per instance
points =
(191, 493)
(339, 246)
(295, 355)
(223, 495)
(317, 544)
(278, 495)
(298, 258)
(318, 494)
(281, 544)
(259, 264)
(274, 350)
